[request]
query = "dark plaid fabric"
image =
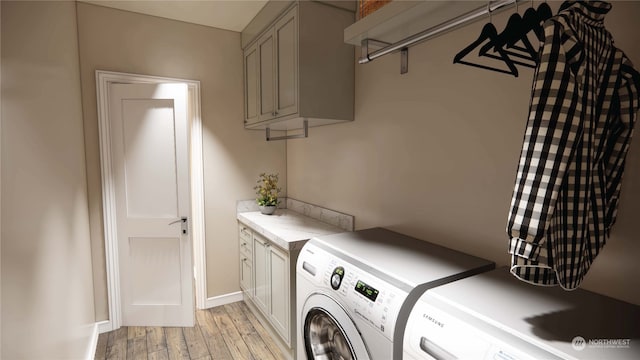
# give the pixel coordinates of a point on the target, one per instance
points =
(583, 108)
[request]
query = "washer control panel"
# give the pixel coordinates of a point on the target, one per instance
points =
(366, 296)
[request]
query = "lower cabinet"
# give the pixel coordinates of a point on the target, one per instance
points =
(267, 281)
(278, 289)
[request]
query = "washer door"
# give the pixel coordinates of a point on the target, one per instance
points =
(329, 333)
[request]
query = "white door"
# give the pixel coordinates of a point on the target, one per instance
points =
(149, 135)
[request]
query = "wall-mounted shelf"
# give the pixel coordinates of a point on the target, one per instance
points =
(401, 24)
(400, 19)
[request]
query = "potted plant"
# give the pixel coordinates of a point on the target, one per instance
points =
(267, 191)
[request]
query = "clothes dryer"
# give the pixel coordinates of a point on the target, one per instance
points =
(496, 316)
(355, 291)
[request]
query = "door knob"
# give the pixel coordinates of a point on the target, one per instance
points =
(184, 226)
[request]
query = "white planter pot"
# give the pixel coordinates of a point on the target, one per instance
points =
(267, 210)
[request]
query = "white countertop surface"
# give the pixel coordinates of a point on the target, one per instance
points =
(286, 228)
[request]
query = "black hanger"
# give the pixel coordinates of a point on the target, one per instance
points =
(531, 21)
(542, 14)
(490, 33)
(511, 35)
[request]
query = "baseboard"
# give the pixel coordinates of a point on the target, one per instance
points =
(93, 343)
(224, 299)
(104, 326)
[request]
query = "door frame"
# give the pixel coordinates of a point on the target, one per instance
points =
(196, 174)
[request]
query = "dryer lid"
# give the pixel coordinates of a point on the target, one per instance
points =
(571, 324)
(399, 258)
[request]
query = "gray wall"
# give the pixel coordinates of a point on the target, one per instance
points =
(47, 288)
(433, 153)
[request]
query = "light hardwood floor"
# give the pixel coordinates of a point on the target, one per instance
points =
(224, 332)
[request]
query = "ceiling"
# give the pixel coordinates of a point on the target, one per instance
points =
(231, 15)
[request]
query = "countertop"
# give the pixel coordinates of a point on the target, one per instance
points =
(286, 228)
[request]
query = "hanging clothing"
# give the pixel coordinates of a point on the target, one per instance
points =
(582, 112)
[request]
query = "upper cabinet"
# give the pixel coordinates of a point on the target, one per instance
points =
(297, 67)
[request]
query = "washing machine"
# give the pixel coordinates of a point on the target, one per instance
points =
(355, 291)
(496, 316)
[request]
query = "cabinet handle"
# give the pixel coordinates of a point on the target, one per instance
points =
(244, 259)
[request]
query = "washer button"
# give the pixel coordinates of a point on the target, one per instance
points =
(336, 277)
(335, 281)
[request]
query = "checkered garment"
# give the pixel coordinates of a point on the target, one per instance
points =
(582, 112)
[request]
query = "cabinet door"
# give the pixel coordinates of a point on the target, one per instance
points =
(286, 36)
(246, 275)
(266, 70)
(279, 290)
(260, 274)
(251, 85)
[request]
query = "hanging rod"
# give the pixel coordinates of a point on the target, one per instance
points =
(304, 134)
(427, 34)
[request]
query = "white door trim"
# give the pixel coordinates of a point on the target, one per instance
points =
(103, 80)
